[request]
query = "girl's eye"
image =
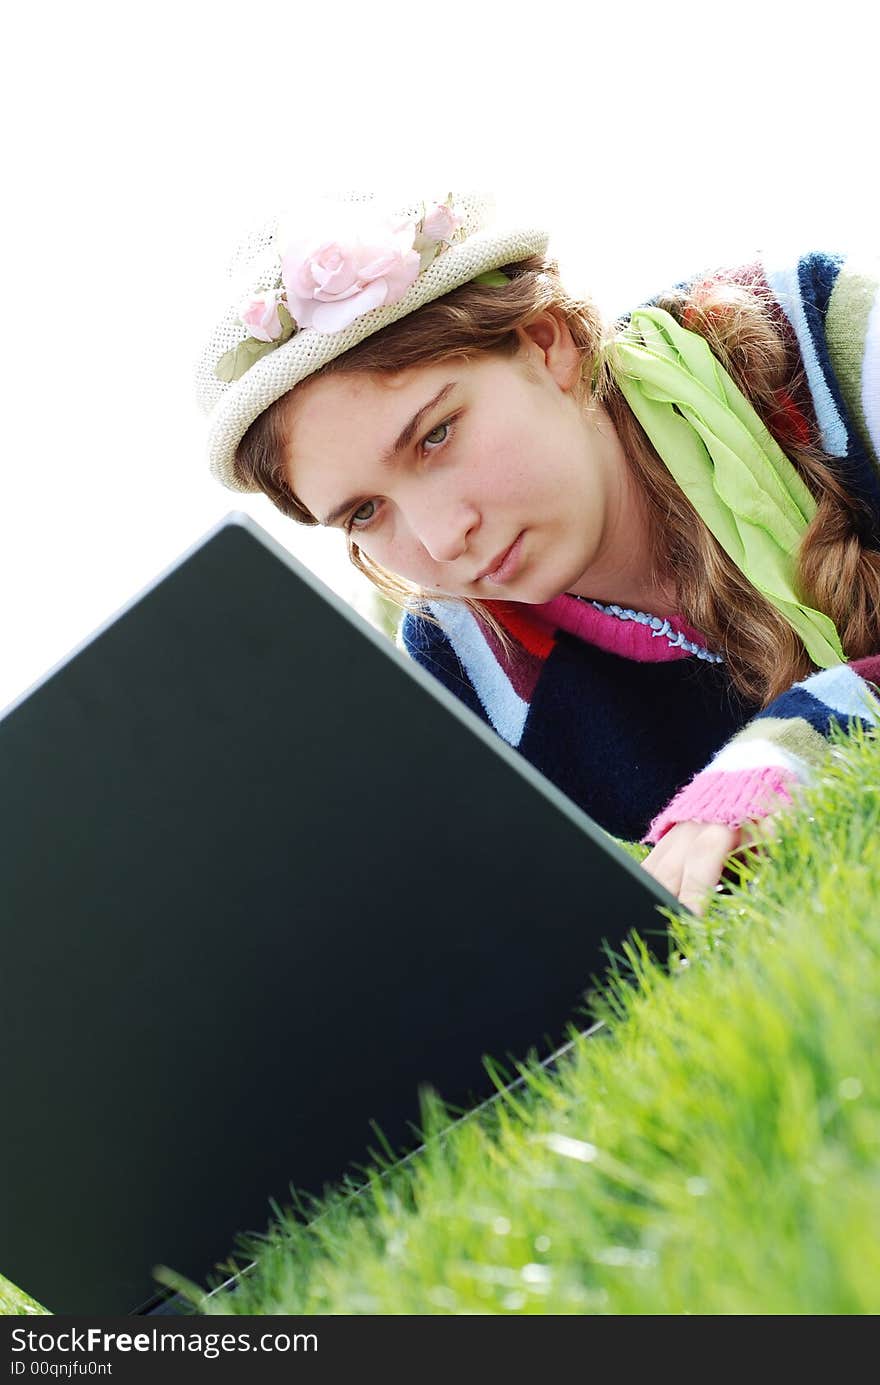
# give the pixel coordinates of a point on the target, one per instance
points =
(359, 520)
(431, 437)
(363, 516)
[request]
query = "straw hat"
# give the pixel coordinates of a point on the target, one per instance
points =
(311, 283)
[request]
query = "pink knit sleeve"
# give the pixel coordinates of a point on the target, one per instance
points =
(759, 769)
(731, 797)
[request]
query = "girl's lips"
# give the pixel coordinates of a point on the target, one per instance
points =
(508, 565)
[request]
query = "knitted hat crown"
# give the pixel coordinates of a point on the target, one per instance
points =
(312, 282)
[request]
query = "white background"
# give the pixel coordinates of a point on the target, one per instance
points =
(140, 143)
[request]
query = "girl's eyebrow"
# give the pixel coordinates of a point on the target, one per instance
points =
(401, 443)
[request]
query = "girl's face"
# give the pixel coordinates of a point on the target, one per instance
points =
(483, 478)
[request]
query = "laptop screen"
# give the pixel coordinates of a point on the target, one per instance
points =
(262, 878)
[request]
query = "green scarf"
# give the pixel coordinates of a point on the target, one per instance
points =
(735, 475)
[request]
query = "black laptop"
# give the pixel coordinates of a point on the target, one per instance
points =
(261, 879)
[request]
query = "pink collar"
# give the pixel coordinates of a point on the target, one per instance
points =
(647, 643)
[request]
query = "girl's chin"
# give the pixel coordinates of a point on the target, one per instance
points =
(527, 595)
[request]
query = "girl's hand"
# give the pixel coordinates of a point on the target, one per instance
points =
(690, 858)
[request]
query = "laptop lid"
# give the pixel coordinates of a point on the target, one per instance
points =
(261, 878)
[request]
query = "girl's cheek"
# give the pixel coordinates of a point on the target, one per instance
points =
(405, 558)
(501, 462)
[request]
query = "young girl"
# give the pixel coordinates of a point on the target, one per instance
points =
(647, 553)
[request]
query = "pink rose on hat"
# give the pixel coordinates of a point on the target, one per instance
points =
(367, 262)
(441, 222)
(347, 259)
(260, 315)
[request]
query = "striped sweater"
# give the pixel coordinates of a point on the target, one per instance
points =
(632, 715)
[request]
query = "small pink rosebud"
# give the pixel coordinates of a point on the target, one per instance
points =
(260, 316)
(441, 222)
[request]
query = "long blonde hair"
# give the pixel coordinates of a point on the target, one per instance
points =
(837, 573)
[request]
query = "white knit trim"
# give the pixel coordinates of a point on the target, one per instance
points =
(786, 286)
(842, 690)
(757, 754)
(505, 708)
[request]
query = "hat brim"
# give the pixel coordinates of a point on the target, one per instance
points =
(274, 374)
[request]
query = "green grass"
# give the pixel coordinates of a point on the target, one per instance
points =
(715, 1148)
(13, 1301)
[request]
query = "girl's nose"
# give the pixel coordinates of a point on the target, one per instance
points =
(444, 530)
